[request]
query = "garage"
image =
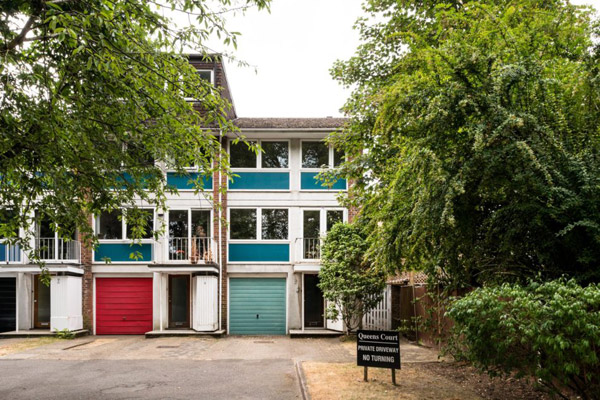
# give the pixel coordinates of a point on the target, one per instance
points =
(8, 304)
(123, 306)
(257, 306)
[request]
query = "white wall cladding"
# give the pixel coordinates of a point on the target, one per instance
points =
(65, 303)
(380, 318)
(206, 312)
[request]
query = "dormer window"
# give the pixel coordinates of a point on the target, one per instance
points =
(205, 75)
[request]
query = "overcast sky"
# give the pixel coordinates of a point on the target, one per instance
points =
(293, 48)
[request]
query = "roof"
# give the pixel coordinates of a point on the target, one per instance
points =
(290, 123)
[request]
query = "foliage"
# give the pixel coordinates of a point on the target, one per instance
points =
(475, 138)
(346, 279)
(65, 334)
(550, 331)
(80, 81)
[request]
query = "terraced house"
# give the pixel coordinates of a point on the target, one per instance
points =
(254, 274)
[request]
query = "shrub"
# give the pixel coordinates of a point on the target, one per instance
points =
(550, 331)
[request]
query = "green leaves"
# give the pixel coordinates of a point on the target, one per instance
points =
(549, 331)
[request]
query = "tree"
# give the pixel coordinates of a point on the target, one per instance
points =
(474, 126)
(346, 278)
(80, 82)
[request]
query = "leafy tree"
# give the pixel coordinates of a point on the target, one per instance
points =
(346, 278)
(475, 134)
(549, 331)
(92, 93)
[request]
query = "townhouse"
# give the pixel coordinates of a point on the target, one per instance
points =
(240, 261)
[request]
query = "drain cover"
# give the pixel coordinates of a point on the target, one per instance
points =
(167, 347)
(263, 341)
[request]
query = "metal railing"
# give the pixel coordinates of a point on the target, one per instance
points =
(57, 249)
(311, 248)
(194, 250)
(10, 252)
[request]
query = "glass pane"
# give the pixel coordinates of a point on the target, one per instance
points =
(140, 155)
(274, 224)
(312, 224)
(333, 217)
(179, 300)
(201, 223)
(178, 224)
(109, 226)
(275, 154)
(315, 155)
(205, 75)
(148, 228)
(241, 156)
(243, 223)
(338, 157)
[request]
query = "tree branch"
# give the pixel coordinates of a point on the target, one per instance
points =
(20, 38)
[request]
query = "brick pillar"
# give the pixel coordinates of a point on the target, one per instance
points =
(220, 180)
(87, 284)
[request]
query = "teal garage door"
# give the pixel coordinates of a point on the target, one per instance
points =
(257, 306)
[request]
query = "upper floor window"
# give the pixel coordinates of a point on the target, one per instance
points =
(273, 154)
(263, 224)
(316, 154)
(113, 225)
(205, 75)
(7, 227)
(140, 155)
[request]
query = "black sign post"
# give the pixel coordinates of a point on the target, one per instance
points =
(379, 349)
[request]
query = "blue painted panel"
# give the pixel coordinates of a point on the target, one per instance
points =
(186, 182)
(252, 252)
(257, 306)
(10, 253)
(121, 252)
(3, 254)
(261, 180)
(308, 181)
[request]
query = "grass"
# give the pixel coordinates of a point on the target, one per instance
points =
(10, 346)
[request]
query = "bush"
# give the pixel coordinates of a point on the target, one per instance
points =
(550, 331)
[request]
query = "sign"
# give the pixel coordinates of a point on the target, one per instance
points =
(380, 349)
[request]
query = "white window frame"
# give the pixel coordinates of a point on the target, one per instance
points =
(212, 80)
(322, 225)
(189, 233)
(259, 167)
(124, 238)
(258, 225)
(330, 152)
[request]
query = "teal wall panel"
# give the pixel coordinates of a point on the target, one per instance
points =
(121, 252)
(9, 253)
(186, 182)
(250, 298)
(308, 181)
(256, 252)
(261, 181)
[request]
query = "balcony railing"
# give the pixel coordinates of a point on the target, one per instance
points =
(194, 250)
(10, 252)
(57, 249)
(311, 248)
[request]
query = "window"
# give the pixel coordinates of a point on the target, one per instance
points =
(189, 235)
(113, 225)
(242, 223)
(205, 75)
(140, 156)
(333, 217)
(109, 225)
(315, 224)
(274, 224)
(273, 154)
(261, 224)
(7, 222)
(312, 224)
(241, 156)
(319, 155)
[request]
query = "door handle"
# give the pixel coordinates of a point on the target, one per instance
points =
(124, 318)
(256, 316)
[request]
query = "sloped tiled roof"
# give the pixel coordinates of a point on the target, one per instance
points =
(290, 123)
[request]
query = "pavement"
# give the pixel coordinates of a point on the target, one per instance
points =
(132, 367)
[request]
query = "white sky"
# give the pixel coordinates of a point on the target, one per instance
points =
(293, 48)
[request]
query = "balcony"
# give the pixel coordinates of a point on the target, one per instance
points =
(57, 250)
(10, 253)
(193, 250)
(311, 249)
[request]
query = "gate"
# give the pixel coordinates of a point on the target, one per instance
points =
(380, 317)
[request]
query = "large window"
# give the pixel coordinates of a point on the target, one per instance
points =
(315, 224)
(273, 154)
(189, 235)
(320, 155)
(263, 224)
(114, 226)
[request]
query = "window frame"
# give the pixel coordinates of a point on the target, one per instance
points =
(258, 225)
(322, 228)
(167, 237)
(259, 167)
(212, 80)
(124, 238)
(330, 155)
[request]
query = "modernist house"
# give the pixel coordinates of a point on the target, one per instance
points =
(256, 274)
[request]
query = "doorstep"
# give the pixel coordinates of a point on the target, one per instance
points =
(313, 333)
(182, 332)
(39, 333)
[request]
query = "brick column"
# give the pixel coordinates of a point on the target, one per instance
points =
(220, 180)
(87, 283)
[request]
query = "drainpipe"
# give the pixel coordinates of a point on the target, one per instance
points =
(219, 244)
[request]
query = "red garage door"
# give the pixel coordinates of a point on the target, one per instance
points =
(123, 306)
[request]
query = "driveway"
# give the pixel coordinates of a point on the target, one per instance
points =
(131, 367)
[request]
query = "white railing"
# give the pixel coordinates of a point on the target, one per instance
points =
(311, 249)
(194, 250)
(10, 252)
(57, 249)
(380, 318)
